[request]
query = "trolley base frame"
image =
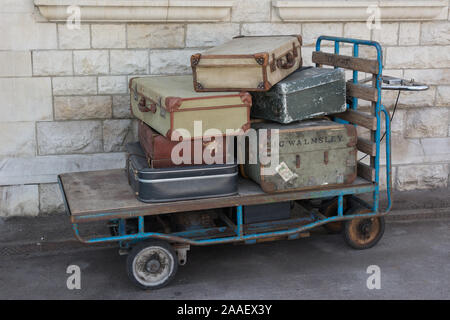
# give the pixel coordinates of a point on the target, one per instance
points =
(105, 195)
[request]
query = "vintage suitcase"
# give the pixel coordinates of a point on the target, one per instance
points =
(312, 153)
(247, 63)
(158, 149)
(267, 212)
(178, 183)
(307, 93)
(169, 104)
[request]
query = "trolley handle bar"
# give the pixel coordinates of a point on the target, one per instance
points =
(394, 83)
(355, 42)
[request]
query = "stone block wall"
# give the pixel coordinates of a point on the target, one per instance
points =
(64, 102)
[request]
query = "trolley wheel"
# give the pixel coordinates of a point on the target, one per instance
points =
(330, 209)
(363, 233)
(152, 264)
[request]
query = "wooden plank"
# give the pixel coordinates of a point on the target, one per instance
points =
(362, 92)
(105, 194)
(373, 113)
(360, 118)
(366, 146)
(365, 171)
(347, 62)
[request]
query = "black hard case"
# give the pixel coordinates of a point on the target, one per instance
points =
(178, 183)
(267, 212)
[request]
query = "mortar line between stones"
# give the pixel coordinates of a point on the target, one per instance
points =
(126, 35)
(397, 43)
(420, 33)
(90, 36)
(58, 45)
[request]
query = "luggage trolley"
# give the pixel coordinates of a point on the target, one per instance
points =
(155, 249)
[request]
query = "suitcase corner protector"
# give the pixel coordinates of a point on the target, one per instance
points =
(246, 126)
(350, 178)
(198, 87)
(173, 103)
(131, 80)
(264, 85)
(195, 59)
(262, 58)
(246, 98)
(268, 187)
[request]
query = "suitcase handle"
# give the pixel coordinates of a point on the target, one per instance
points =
(289, 63)
(127, 164)
(142, 107)
(289, 60)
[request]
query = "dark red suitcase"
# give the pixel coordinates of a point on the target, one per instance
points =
(158, 149)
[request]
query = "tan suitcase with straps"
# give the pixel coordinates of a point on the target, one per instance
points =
(169, 104)
(247, 63)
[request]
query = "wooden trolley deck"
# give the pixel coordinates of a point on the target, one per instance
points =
(104, 195)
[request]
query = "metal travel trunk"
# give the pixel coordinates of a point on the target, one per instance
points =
(307, 93)
(312, 153)
(169, 104)
(247, 63)
(158, 149)
(178, 183)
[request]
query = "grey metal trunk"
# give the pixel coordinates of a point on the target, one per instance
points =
(312, 153)
(307, 93)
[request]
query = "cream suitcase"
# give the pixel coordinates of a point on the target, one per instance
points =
(247, 63)
(169, 103)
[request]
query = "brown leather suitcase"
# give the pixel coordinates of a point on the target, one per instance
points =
(247, 63)
(158, 149)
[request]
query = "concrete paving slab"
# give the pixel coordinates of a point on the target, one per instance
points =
(414, 258)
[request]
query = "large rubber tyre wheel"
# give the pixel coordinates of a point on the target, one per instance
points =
(330, 209)
(363, 233)
(152, 264)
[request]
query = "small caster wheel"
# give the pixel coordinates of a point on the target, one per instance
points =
(330, 209)
(363, 233)
(152, 264)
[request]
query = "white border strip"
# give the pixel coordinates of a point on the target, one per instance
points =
(341, 10)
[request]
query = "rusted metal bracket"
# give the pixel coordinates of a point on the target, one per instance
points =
(181, 250)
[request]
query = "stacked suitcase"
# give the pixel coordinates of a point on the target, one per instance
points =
(186, 122)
